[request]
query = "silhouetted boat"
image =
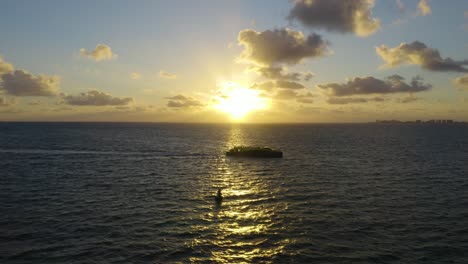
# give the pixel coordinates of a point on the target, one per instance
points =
(254, 152)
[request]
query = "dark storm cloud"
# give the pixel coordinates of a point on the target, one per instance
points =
(371, 85)
(22, 83)
(418, 53)
(272, 47)
(181, 101)
(350, 16)
(95, 98)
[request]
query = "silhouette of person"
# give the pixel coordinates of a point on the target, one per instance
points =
(219, 196)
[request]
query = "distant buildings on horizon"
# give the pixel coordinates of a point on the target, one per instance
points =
(432, 121)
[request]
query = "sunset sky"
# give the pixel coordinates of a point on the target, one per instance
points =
(233, 61)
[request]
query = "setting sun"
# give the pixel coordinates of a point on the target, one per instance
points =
(238, 101)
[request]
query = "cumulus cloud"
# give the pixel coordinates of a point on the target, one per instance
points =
(353, 100)
(135, 76)
(272, 47)
(287, 94)
(167, 75)
(277, 73)
(100, 53)
(418, 53)
(350, 16)
(22, 83)
(371, 85)
(181, 101)
(5, 67)
(462, 82)
(95, 98)
(423, 8)
(269, 85)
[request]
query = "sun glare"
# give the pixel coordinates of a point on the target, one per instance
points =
(238, 101)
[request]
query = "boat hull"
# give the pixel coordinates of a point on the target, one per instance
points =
(270, 154)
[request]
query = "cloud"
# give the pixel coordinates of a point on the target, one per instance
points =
(371, 85)
(353, 100)
(266, 86)
(181, 101)
(418, 53)
(95, 98)
(5, 67)
(22, 83)
(350, 16)
(135, 76)
(272, 47)
(408, 99)
(276, 73)
(305, 100)
(287, 94)
(4, 101)
(462, 82)
(167, 75)
(308, 76)
(100, 53)
(289, 85)
(423, 8)
(269, 85)
(137, 108)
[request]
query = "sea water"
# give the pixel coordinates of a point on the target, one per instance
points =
(144, 193)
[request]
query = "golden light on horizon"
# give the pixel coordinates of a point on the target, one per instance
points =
(238, 101)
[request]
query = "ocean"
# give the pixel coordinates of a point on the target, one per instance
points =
(144, 193)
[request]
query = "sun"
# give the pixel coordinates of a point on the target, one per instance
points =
(238, 101)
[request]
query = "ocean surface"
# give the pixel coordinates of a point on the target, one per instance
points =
(144, 193)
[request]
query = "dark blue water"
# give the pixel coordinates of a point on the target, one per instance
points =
(143, 193)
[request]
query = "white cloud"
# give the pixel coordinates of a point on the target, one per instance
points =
(167, 75)
(462, 82)
(135, 76)
(100, 53)
(5, 67)
(423, 8)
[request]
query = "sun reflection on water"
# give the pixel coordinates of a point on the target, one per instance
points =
(244, 227)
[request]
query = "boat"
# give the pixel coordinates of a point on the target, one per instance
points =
(254, 152)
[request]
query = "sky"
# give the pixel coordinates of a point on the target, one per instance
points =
(214, 61)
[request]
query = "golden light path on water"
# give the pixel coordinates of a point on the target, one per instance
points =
(245, 227)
